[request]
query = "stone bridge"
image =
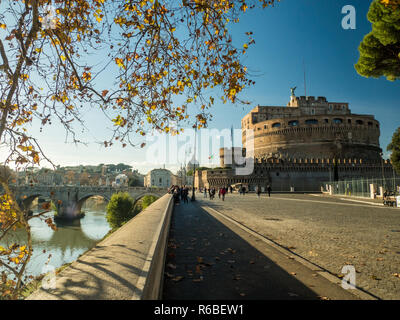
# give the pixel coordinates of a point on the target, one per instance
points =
(69, 199)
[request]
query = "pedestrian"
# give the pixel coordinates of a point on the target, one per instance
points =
(185, 195)
(205, 192)
(269, 190)
(258, 191)
(244, 190)
(230, 189)
(219, 193)
(213, 193)
(176, 195)
(223, 191)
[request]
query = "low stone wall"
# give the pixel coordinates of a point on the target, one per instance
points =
(127, 265)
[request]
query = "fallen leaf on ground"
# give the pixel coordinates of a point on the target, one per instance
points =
(172, 266)
(379, 259)
(169, 275)
(293, 273)
(178, 278)
(293, 294)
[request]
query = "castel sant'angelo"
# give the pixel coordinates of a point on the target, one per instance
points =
(301, 146)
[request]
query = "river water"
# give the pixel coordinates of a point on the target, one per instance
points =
(52, 249)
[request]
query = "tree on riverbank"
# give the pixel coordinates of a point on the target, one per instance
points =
(147, 201)
(120, 209)
(52, 63)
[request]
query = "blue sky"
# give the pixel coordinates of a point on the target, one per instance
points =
(285, 35)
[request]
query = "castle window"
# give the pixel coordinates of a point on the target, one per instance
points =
(293, 123)
(370, 124)
(276, 125)
(349, 121)
(311, 121)
(265, 126)
(337, 120)
(326, 120)
(359, 122)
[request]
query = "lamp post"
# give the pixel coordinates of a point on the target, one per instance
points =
(194, 163)
(383, 175)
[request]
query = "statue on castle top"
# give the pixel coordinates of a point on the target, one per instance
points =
(292, 90)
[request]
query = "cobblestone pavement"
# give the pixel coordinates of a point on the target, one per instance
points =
(329, 232)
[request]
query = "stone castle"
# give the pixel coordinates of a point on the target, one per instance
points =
(302, 145)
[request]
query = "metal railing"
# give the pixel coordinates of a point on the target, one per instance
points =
(362, 187)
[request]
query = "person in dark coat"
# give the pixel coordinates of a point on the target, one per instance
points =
(269, 190)
(258, 191)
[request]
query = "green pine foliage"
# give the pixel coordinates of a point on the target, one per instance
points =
(380, 49)
(394, 147)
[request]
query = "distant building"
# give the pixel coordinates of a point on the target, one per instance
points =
(121, 180)
(162, 178)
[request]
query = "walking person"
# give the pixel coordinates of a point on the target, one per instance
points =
(223, 192)
(185, 195)
(205, 192)
(219, 193)
(269, 190)
(212, 193)
(244, 190)
(176, 195)
(258, 191)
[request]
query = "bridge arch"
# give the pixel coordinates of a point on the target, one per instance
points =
(26, 201)
(85, 197)
(139, 196)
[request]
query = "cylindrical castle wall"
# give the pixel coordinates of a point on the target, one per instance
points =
(317, 137)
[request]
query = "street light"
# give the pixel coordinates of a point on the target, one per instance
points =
(194, 163)
(383, 175)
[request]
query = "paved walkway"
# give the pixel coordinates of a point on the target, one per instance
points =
(210, 258)
(329, 232)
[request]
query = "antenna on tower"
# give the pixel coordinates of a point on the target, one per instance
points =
(305, 83)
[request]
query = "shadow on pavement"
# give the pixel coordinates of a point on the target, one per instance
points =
(208, 261)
